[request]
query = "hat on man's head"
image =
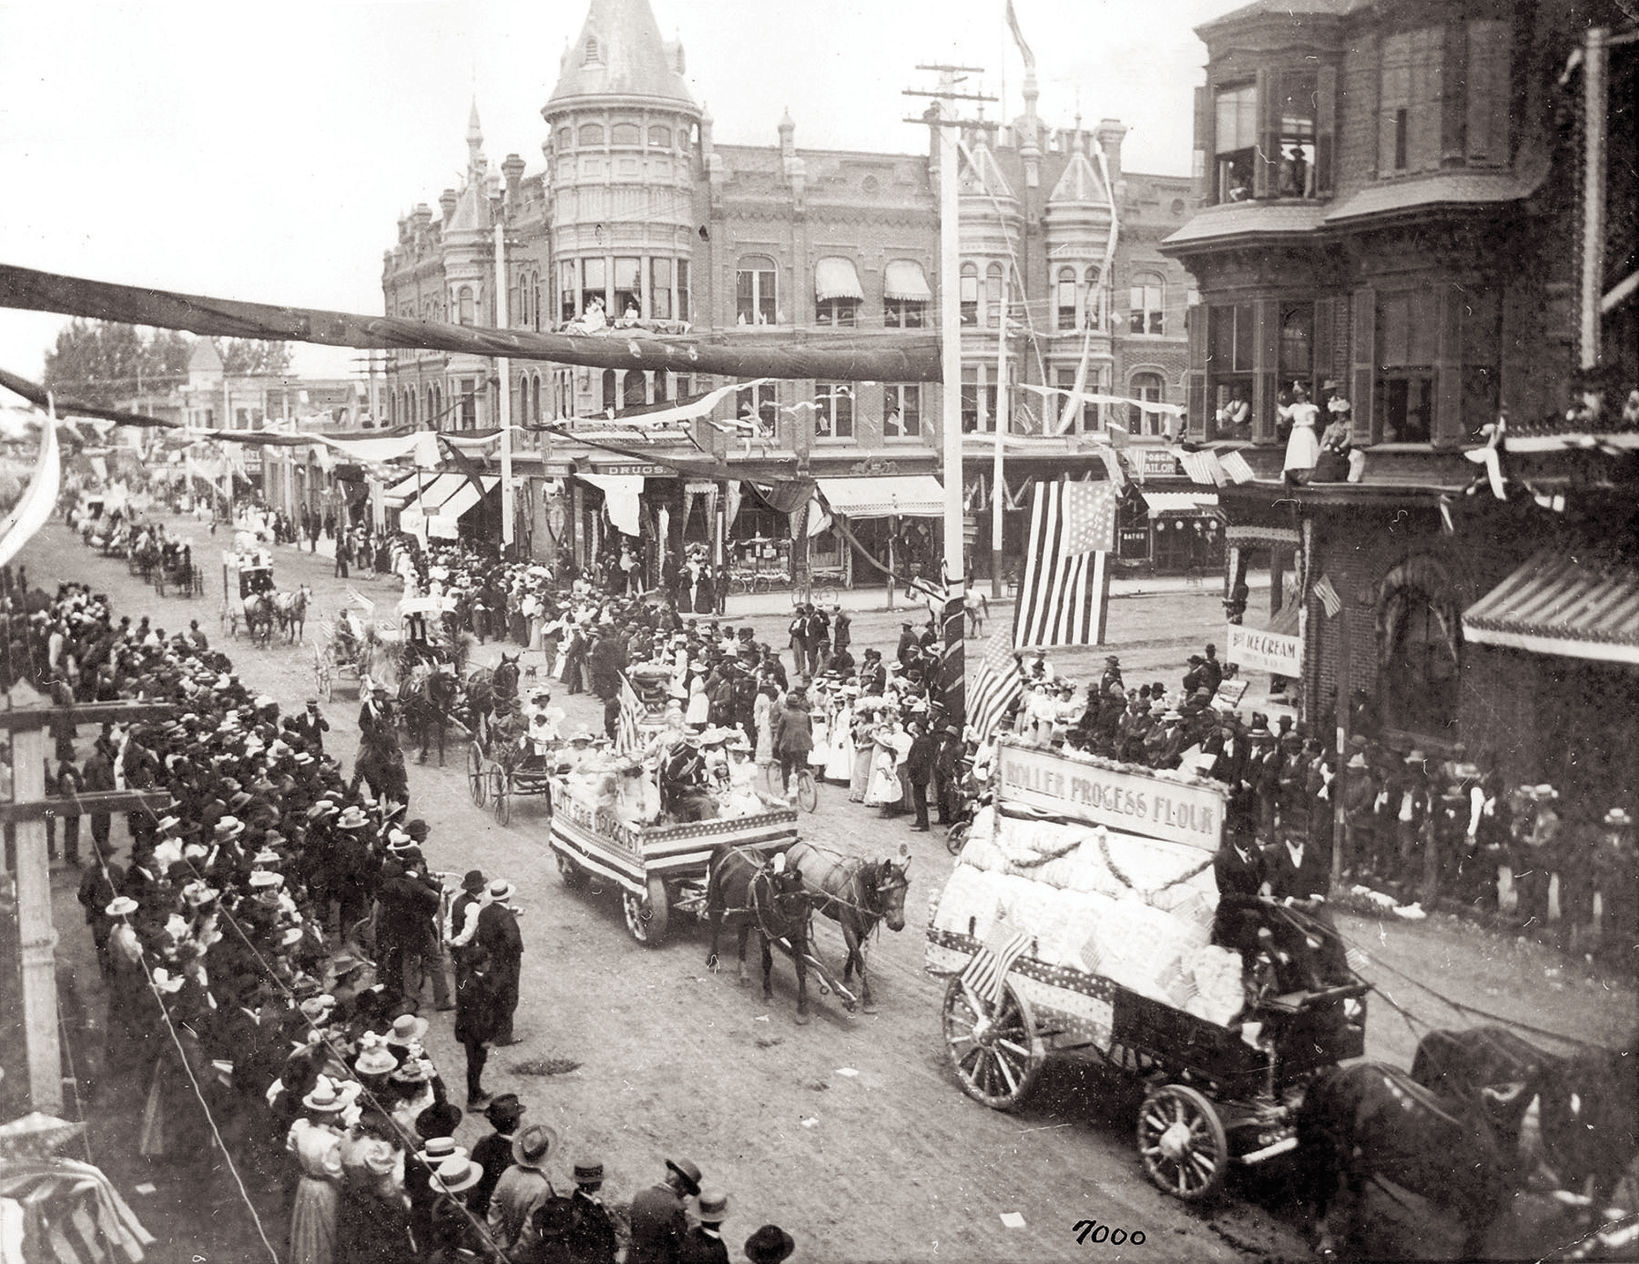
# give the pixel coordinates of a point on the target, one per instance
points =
(505, 1107)
(713, 1206)
(439, 1150)
(474, 882)
(588, 1171)
(353, 818)
(456, 1174)
(769, 1245)
(441, 1119)
(688, 1171)
(407, 1030)
(533, 1146)
(500, 890)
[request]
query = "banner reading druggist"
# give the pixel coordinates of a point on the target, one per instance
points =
(1264, 651)
(1129, 802)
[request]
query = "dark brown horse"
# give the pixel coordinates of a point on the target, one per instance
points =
(751, 892)
(492, 695)
(428, 698)
(858, 895)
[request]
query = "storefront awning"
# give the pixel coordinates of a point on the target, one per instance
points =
(401, 492)
(1179, 502)
(443, 524)
(905, 282)
(622, 495)
(419, 510)
(891, 496)
(1578, 605)
(835, 277)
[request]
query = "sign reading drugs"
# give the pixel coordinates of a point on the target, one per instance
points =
(1099, 794)
(1265, 651)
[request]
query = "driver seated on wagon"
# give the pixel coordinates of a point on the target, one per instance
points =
(541, 722)
(1261, 912)
(684, 795)
(348, 636)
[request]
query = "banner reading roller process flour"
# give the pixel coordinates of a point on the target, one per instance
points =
(1131, 803)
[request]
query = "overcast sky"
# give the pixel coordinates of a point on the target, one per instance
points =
(265, 152)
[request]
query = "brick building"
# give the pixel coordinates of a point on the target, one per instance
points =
(641, 210)
(1428, 211)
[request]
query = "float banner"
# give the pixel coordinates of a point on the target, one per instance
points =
(1264, 651)
(1128, 802)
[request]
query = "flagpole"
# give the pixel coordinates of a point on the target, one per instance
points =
(998, 497)
(950, 329)
(503, 369)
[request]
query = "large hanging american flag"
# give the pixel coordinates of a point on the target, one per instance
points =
(986, 973)
(627, 737)
(997, 684)
(1065, 590)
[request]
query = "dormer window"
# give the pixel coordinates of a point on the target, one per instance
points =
(592, 58)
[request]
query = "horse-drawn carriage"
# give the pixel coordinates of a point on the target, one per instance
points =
(1080, 916)
(247, 592)
(348, 649)
(176, 571)
(513, 756)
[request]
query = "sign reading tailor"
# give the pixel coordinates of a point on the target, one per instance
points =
(1265, 651)
(1129, 802)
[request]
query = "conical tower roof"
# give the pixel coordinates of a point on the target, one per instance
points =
(1079, 185)
(620, 54)
(983, 176)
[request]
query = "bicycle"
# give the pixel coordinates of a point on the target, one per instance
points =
(807, 789)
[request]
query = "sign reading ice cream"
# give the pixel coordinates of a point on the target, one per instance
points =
(1130, 802)
(1264, 651)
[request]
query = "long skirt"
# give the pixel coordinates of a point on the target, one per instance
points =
(883, 789)
(839, 763)
(313, 1221)
(860, 775)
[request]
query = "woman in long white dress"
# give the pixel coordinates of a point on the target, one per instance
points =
(883, 790)
(762, 719)
(864, 724)
(839, 764)
(820, 753)
(1303, 445)
(699, 711)
(315, 1141)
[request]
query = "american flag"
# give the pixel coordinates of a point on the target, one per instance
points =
(997, 685)
(1065, 590)
(1235, 465)
(627, 737)
(986, 974)
(1327, 595)
(1203, 467)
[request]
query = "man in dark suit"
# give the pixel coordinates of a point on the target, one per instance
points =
(494, 1152)
(703, 1243)
(592, 1238)
(658, 1223)
(919, 771)
(609, 659)
(498, 935)
(312, 726)
(98, 774)
(1238, 868)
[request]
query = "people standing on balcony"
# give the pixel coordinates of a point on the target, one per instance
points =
(1302, 444)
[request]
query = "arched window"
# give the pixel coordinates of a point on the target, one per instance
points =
(1147, 304)
(535, 404)
(625, 134)
(591, 134)
(995, 295)
(1066, 304)
(464, 299)
(566, 138)
(1092, 311)
(1145, 386)
(432, 409)
(970, 294)
(1419, 635)
(636, 391)
(611, 389)
(755, 292)
(660, 137)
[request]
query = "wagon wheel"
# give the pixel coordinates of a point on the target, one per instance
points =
(1182, 1142)
(574, 877)
(501, 789)
(996, 1050)
(646, 918)
(477, 781)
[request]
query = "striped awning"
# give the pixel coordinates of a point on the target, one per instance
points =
(835, 277)
(905, 282)
(1580, 604)
(443, 523)
(887, 496)
(401, 492)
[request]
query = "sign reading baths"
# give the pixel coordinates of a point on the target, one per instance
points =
(1129, 802)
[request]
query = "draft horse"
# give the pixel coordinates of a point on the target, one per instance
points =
(260, 616)
(290, 608)
(859, 895)
(750, 892)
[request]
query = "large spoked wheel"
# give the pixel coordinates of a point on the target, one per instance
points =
(574, 877)
(477, 781)
(1182, 1142)
(646, 918)
(500, 786)
(807, 791)
(995, 1050)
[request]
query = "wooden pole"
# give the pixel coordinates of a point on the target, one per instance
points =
(37, 938)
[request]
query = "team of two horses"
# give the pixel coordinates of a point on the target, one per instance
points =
(286, 612)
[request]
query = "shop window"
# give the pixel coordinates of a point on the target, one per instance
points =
(590, 134)
(1407, 339)
(842, 313)
(755, 292)
(970, 399)
(625, 134)
(628, 288)
(902, 410)
(594, 284)
(1150, 388)
(753, 404)
(995, 295)
(1065, 308)
(1420, 639)
(970, 293)
(566, 290)
(900, 313)
(1092, 314)
(660, 137)
(834, 411)
(1146, 313)
(1236, 139)
(660, 289)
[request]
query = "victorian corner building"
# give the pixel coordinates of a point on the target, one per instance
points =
(641, 212)
(1428, 211)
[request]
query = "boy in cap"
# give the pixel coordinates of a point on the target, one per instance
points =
(592, 1234)
(494, 1152)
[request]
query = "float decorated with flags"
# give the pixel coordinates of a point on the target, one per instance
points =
(1082, 915)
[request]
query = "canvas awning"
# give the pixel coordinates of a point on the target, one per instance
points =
(402, 492)
(905, 282)
(622, 495)
(835, 277)
(894, 495)
(1179, 502)
(1579, 604)
(418, 511)
(443, 524)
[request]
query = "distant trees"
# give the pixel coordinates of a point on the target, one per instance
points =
(103, 362)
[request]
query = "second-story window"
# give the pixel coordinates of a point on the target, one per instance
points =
(566, 289)
(754, 294)
(905, 295)
(970, 293)
(591, 134)
(1408, 329)
(1235, 140)
(1299, 111)
(1065, 307)
(1092, 315)
(902, 410)
(594, 285)
(756, 406)
(834, 411)
(995, 295)
(1410, 106)
(683, 303)
(1146, 305)
(970, 399)
(1148, 387)
(841, 312)
(628, 288)
(837, 292)
(463, 300)
(660, 289)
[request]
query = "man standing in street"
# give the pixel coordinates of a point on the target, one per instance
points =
(499, 936)
(919, 771)
(658, 1223)
(98, 774)
(592, 1238)
(703, 1244)
(609, 659)
(799, 640)
(312, 726)
(522, 1189)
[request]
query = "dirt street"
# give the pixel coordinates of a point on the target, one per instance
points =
(851, 1132)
